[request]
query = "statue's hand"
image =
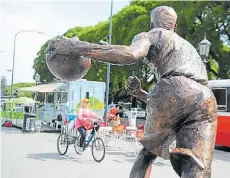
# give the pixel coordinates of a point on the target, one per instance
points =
(60, 46)
(134, 85)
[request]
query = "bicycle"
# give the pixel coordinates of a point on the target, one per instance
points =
(97, 142)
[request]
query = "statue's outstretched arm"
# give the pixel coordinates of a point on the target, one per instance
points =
(114, 54)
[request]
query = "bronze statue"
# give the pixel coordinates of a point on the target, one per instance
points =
(180, 107)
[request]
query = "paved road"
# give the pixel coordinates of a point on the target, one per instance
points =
(35, 156)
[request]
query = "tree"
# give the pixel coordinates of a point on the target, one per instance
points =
(194, 18)
(21, 93)
(3, 84)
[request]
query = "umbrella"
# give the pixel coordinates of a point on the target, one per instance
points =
(11, 103)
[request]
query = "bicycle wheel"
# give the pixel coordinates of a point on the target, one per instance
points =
(62, 142)
(98, 147)
(77, 144)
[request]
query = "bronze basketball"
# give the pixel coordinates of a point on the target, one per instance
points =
(66, 65)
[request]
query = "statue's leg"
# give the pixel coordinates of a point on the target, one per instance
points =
(162, 106)
(143, 165)
(193, 155)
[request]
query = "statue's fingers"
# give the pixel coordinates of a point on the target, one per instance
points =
(130, 82)
(50, 55)
(130, 92)
(131, 86)
(59, 37)
(50, 51)
(136, 80)
(130, 78)
(76, 38)
(53, 46)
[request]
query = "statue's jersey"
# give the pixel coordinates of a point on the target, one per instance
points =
(171, 55)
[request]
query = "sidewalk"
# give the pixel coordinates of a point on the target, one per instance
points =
(35, 155)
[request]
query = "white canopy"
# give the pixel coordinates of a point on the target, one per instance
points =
(219, 83)
(43, 88)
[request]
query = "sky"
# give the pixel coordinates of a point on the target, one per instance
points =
(51, 17)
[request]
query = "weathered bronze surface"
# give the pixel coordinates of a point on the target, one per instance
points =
(180, 107)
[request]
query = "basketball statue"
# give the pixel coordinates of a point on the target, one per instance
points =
(180, 107)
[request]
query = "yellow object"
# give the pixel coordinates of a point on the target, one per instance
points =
(118, 118)
(119, 128)
(85, 100)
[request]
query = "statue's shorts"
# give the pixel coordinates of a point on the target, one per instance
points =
(181, 109)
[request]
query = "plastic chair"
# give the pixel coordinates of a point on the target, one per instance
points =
(132, 140)
(116, 136)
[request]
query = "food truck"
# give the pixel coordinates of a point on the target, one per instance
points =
(61, 99)
(221, 90)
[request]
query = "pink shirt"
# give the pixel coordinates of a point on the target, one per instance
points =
(85, 113)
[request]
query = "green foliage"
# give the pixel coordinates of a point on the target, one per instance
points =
(3, 82)
(21, 93)
(194, 18)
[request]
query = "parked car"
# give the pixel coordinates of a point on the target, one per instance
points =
(140, 112)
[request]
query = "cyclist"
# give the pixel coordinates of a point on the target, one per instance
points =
(85, 121)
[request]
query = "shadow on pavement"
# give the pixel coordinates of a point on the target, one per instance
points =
(118, 153)
(47, 156)
(56, 156)
(10, 130)
(122, 153)
(130, 157)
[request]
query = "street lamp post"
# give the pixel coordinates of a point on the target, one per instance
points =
(15, 38)
(37, 79)
(108, 65)
(204, 48)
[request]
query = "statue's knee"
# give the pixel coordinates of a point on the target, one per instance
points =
(188, 165)
(147, 154)
(144, 158)
(176, 162)
(141, 167)
(177, 153)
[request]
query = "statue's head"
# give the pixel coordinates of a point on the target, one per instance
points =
(163, 17)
